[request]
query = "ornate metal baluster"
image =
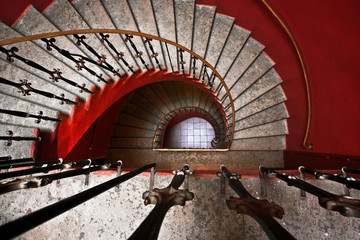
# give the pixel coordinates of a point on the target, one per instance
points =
(28, 115)
(153, 53)
(211, 82)
(164, 199)
(205, 74)
(262, 211)
(350, 182)
(346, 206)
(101, 58)
(17, 161)
(182, 62)
(137, 53)
(11, 138)
(194, 68)
(54, 75)
(25, 88)
(5, 159)
(80, 64)
(119, 55)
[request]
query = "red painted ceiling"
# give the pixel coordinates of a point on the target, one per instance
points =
(328, 34)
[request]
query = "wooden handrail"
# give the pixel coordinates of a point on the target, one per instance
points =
(118, 31)
(303, 67)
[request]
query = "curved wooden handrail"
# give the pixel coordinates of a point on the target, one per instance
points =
(174, 111)
(118, 31)
(303, 67)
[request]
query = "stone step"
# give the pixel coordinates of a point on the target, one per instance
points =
(204, 18)
(131, 143)
(137, 111)
(127, 131)
(33, 22)
(39, 56)
(184, 18)
(95, 15)
(9, 71)
(274, 113)
(153, 97)
(169, 87)
(126, 119)
(260, 143)
(166, 97)
(8, 102)
(122, 17)
(65, 17)
(220, 32)
(198, 160)
(164, 12)
(276, 128)
(271, 98)
(261, 86)
(245, 58)
(17, 149)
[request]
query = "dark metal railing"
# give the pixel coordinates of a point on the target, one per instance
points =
(80, 40)
(138, 54)
(29, 115)
(11, 138)
(25, 88)
(164, 199)
(262, 211)
(346, 206)
(30, 221)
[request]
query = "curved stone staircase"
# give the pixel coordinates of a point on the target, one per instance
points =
(260, 112)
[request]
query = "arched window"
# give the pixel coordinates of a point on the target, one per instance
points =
(193, 132)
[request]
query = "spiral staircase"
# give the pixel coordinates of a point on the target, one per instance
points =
(246, 105)
(259, 133)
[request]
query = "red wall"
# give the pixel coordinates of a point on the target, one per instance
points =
(328, 34)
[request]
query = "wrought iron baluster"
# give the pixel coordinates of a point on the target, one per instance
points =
(137, 53)
(194, 68)
(23, 224)
(27, 164)
(182, 62)
(350, 182)
(25, 88)
(205, 74)
(54, 75)
(211, 82)
(80, 64)
(16, 161)
(153, 53)
(346, 206)
(262, 211)
(119, 55)
(101, 58)
(40, 181)
(4, 159)
(29, 115)
(11, 138)
(164, 199)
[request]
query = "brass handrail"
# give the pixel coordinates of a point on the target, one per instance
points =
(303, 67)
(118, 31)
(168, 114)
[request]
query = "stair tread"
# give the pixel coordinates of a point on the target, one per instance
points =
(165, 20)
(129, 120)
(131, 143)
(275, 128)
(271, 114)
(260, 143)
(127, 131)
